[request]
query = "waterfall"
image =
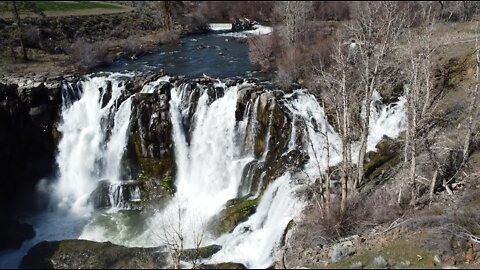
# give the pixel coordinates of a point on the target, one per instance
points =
(118, 140)
(124, 195)
(209, 166)
(213, 153)
(254, 241)
(82, 157)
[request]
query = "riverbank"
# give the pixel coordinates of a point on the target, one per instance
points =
(79, 42)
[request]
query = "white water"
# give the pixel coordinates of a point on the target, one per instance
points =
(389, 121)
(150, 87)
(118, 140)
(81, 148)
(209, 169)
(225, 27)
(254, 241)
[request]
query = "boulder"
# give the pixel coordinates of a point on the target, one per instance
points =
(228, 265)
(243, 24)
(237, 211)
(91, 255)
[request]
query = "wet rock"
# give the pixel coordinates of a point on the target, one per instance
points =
(243, 24)
(237, 211)
(200, 253)
(99, 197)
(150, 153)
(229, 265)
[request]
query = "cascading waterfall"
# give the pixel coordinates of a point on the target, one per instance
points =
(211, 156)
(209, 167)
(124, 195)
(81, 152)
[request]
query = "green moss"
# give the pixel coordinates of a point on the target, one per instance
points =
(384, 159)
(168, 183)
(237, 211)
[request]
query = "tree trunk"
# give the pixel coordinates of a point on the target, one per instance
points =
(364, 139)
(20, 31)
(471, 114)
(433, 184)
(345, 135)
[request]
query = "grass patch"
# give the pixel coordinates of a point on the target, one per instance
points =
(73, 5)
(396, 254)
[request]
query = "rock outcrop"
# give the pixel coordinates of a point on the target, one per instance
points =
(93, 255)
(243, 24)
(29, 112)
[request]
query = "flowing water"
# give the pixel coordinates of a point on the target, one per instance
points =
(211, 158)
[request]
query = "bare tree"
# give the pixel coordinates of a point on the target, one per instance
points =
(293, 18)
(17, 8)
(339, 90)
(473, 110)
(376, 29)
(173, 236)
(177, 238)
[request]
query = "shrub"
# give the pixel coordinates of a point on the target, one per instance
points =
(196, 23)
(362, 212)
(32, 37)
(339, 252)
(261, 51)
(135, 48)
(168, 37)
(87, 56)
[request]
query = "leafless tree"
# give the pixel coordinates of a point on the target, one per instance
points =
(376, 28)
(337, 84)
(17, 8)
(293, 16)
(173, 236)
(473, 108)
(176, 238)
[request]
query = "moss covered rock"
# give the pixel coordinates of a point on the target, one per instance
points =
(386, 156)
(236, 211)
(200, 253)
(91, 255)
(150, 152)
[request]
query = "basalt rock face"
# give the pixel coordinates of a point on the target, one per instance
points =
(150, 152)
(29, 111)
